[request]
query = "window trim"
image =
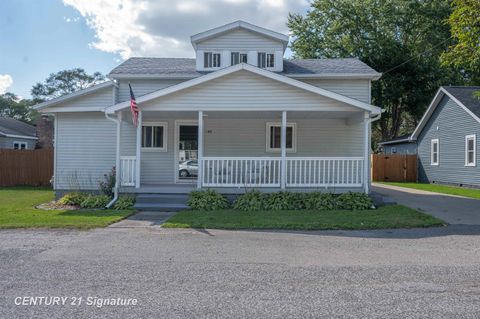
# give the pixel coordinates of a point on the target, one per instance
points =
(165, 137)
(268, 149)
(212, 53)
(240, 53)
(432, 142)
(20, 145)
(266, 59)
(474, 138)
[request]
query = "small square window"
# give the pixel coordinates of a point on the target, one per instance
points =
(266, 60)
(154, 136)
(19, 145)
(238, 57)
(274, 141)
(211, 60)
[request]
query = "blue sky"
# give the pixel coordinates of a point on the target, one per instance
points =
(39, 37)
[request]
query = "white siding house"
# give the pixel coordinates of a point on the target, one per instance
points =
(236, 117)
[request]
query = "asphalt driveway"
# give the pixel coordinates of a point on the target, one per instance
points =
(455, 210)
(422, 273)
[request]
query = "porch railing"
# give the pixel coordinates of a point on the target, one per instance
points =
(241, 171)
(127, 170)
(266, 172)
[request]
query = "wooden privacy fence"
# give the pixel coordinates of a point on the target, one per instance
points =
(26, 167)
(394, 168)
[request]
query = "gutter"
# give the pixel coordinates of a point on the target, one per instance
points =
(117, 162)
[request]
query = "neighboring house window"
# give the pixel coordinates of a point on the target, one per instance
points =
(435, 152)
(19, 145)
(394, 150)
(154, 136)
(238, 57)
(274, 134)
(211, 60)
(470, 150)
(266, 60)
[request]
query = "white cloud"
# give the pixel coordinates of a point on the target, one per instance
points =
(162, 28)
(5, 82)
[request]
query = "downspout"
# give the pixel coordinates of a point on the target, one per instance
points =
(117, 162)
(368, 129)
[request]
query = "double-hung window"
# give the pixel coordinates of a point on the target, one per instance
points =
(274, 137)
(19, 145)
(266, 60)
(470, 150)
(154, 136)
(211, 60)
(435, 152)
(238, 57)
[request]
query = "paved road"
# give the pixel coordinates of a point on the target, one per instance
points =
(455, 210)
(426, 273)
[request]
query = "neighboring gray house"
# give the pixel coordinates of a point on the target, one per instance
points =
(448, 138)
(400, 145)
(16, 134)
(228, 108)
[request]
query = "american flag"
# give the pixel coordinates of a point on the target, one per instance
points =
(133, 107)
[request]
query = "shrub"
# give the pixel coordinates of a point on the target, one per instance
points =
(124, 202)
(95, 201)
(284, 201)
(106, 186)
(354, 201)
(320, 201)
(207, 200)
(250, 201)
(75, 198)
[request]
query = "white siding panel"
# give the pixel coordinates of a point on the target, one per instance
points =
(241, 90)
(142, 87)
(85, 149)
(240, 39)
(96, 101)
(357, 89)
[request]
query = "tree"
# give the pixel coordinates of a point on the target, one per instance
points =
(402, 39)
(65, 82)
(464, 24)
(12, 106)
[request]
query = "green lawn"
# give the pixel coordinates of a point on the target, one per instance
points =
(444, 189)
(17, 210)
(394, 216)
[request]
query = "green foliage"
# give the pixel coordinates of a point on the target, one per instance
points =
(354, 201)
(108, 183)
(124, 202)
(207, 200)
(250, 201)
(65, 82)
(95, 201)
(464, 25)
(320, 201)
(14, 107)
(255, 201)
(75, 198)
(402, 39)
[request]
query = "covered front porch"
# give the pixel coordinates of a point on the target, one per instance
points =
(236, 151)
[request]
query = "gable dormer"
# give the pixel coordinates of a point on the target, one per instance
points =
(239, 42)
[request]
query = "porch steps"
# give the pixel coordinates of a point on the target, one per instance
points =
(161, 202)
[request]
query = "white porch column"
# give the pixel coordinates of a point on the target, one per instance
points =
(366, 155)
(138, 150)
(283, 142)
(118, 172)
(200, 150)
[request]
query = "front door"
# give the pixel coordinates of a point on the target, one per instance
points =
(186, 151)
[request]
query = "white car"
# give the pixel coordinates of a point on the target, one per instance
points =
(188, 169)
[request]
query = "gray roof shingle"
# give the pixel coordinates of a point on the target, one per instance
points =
(176, 67)
(14, 127)
(465, 94)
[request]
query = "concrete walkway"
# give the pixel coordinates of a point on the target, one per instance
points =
(452, 209)
(143, 219)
